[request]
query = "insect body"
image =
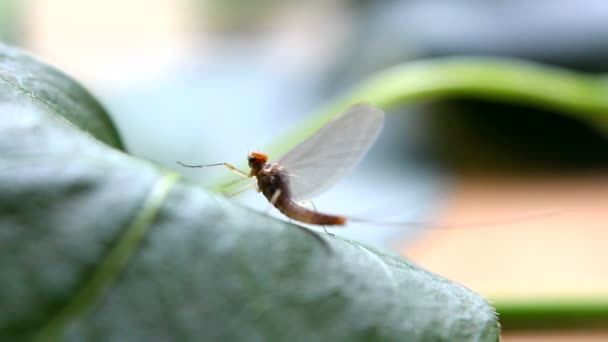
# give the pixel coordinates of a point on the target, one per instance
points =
(315, 164)
(319, 162)
(273, 182)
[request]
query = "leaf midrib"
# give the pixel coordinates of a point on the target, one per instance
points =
(113, 264)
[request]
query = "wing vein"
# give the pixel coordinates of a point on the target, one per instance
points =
(333, 151)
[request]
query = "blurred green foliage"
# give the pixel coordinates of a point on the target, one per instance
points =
(10, 11)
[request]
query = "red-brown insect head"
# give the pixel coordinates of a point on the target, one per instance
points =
(256, 160)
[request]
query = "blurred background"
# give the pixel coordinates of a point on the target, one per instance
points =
(207, 81)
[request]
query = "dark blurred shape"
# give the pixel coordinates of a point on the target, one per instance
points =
(477, 135)
(490, 135)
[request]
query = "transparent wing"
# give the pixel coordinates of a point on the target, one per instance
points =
(328, 155)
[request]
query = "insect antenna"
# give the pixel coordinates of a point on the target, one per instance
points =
(226, 165)
(202, 165)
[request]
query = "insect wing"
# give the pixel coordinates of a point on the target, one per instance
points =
(321, 160)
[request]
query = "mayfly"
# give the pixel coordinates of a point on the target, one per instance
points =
(315, 164)
(322, 160)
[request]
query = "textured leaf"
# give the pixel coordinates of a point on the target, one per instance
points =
(98, 245)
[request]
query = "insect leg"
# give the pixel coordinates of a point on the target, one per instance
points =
(226, 165)
(317, 237)
(315, 208)
(275, 197)
(314, 233)
(241, 190)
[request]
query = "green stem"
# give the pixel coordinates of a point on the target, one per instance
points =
(508, 80)
(565, 312)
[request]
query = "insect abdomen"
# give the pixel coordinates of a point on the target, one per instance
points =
(298, 213)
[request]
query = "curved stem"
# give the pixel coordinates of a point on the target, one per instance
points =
(509, 80)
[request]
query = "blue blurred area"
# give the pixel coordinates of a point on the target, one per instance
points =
(573, 34)
(208, 112)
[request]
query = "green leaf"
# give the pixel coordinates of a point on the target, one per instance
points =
(98, 245)
(48, 88)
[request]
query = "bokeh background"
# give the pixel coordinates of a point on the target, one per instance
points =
(208, 81)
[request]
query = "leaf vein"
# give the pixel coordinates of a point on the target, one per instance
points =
(113, 264)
